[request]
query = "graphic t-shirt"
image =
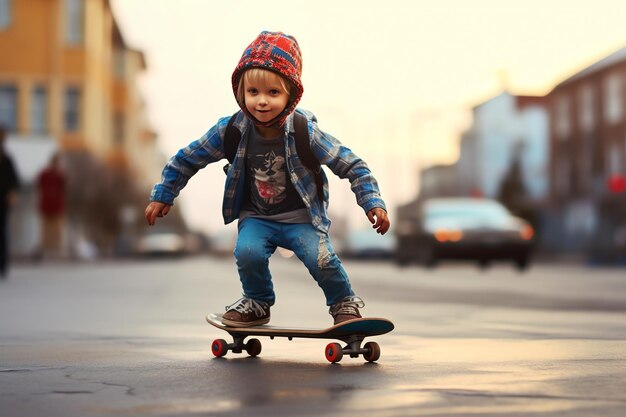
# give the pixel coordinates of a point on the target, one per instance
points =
(270, 190)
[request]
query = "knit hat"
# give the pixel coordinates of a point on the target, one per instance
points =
(277, 52)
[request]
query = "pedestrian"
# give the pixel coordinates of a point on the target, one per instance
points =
(8, 196)
(269, 189)
(51, 191)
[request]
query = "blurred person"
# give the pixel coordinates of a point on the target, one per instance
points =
(51, 191)
(276, 197)
(9, 185)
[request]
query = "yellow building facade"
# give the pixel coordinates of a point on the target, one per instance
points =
(68, 83)
(66, 72)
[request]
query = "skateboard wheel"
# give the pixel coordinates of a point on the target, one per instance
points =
(219, 347)
(373, 351)
(334, 352)
(253, 347)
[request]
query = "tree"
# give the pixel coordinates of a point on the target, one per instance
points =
(513, 193)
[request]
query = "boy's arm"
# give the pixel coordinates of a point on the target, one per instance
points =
(346, 164)
(187, 161)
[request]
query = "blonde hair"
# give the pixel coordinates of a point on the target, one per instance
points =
(263, 76)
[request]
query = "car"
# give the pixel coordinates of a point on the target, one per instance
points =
(162, 242)
(479, 229)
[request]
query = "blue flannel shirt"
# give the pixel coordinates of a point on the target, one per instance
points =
(328, 150)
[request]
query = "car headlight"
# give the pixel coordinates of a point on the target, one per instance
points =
(527, 232)
(445, 235)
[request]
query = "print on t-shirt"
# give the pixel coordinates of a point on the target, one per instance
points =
(269, 178)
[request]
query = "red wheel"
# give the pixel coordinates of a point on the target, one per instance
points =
(219, 347)
(373, 352)
(253, 347)
(334, 352)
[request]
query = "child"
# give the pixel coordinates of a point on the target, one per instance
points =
(268, 188)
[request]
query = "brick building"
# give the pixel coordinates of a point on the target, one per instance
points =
(588, 148)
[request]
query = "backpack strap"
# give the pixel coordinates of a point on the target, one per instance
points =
(232, 137)
(303, 149)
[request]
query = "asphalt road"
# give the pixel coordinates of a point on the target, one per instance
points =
(129, 339)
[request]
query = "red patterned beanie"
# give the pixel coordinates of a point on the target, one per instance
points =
(277, 52)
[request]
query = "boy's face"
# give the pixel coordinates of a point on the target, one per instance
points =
(265, 99)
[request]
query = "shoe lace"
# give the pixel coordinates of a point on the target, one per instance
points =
(348, 305)
(246, 305)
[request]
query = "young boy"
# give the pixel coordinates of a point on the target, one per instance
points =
(269, 189)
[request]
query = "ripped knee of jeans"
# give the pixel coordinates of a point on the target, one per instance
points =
(323, 252)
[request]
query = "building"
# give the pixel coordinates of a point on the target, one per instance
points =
(588, 148)
(68, 85)
(505, 128)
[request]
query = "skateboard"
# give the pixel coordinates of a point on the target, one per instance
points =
(351, 332)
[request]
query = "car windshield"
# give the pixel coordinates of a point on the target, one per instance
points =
(471, 213)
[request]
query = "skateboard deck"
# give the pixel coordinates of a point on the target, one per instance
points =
(351, 332)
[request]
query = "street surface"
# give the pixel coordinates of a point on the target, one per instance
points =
(129, 338)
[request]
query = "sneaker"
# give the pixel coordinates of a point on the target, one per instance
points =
(246, 312)
(346, 309)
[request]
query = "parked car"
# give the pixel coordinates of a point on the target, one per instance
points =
(160, 242)
(478, 229)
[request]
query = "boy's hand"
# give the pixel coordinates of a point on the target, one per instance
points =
(156, 209)
(381, 221)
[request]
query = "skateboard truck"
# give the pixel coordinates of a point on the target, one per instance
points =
(370, 351)
(220, 347)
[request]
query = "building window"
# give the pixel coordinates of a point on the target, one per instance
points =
(8, 107)
(39, 110)
(586, 108)
(5, 13)
(613, 104)
(562, 123)
(614, 160)
(74, 21)
(72, 109)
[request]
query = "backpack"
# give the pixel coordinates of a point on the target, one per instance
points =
(232, 137)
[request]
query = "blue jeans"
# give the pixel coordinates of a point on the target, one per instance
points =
(257, 241)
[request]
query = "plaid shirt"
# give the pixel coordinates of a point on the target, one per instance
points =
(328, 150)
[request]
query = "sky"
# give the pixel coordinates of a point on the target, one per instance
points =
(394, 81)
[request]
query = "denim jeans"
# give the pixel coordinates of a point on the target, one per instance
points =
(257, 241)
